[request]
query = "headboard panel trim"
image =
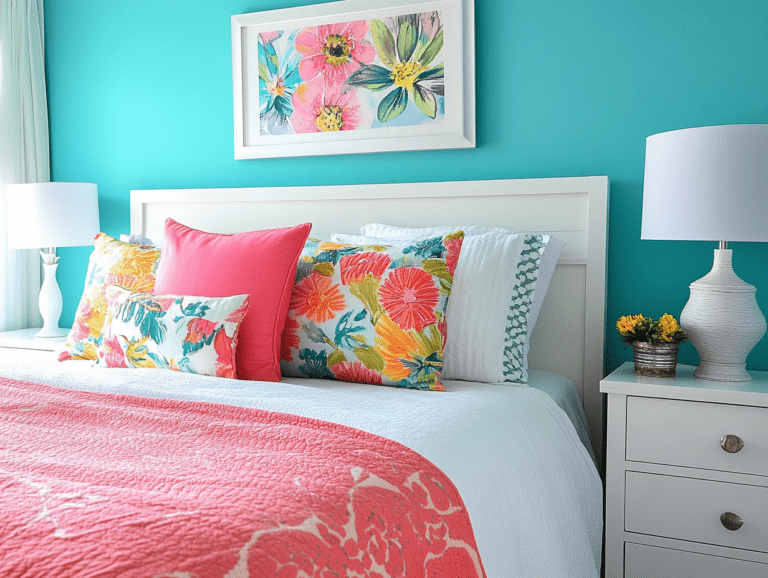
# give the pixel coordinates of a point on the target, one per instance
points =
(570, 335)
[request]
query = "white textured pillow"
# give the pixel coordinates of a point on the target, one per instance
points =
(391, 231)
(138, 240)
(492, 312)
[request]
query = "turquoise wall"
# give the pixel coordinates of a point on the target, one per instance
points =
(140, 96)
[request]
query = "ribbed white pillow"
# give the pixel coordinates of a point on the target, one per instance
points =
(489, 328)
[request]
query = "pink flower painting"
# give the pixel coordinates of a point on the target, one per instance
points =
(334, 51)
(321, 108)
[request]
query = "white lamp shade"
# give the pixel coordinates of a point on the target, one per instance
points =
(51, 214)
(707, 184)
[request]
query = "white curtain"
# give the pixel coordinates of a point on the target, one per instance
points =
(24, 153)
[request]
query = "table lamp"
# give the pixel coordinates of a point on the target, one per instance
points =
(711, 184)
(51, 215)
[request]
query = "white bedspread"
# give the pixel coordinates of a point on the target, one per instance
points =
(529, 484)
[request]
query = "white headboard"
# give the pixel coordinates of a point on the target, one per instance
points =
(570, 334)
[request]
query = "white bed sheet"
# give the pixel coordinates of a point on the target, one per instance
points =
(565, 394)
(531, 488)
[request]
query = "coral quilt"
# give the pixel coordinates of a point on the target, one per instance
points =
(95, 484)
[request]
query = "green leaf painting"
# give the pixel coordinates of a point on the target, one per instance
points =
(392, 105)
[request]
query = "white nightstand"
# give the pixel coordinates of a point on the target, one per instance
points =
(677, 503)
(25, 339)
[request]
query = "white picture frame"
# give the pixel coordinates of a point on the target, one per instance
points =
(395, 87)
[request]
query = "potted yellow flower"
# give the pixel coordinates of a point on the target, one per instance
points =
(654, 343)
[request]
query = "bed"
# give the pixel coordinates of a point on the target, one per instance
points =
(522, 459)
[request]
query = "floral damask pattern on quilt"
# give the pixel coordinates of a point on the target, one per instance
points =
(112, 262)
(371, 313)
(191, 334)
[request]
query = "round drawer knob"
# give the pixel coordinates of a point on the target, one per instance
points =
(731, 521)
(732, 444)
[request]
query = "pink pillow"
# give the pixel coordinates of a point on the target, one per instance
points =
(261, 264)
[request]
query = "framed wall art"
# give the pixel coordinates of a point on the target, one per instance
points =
(355, 76)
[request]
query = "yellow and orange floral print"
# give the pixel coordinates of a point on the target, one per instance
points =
(317, 297)
(406, 350)
(112, 262)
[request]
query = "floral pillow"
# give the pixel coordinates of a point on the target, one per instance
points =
(112, 262)
(500, 286)
(191, 334)
(371, 314)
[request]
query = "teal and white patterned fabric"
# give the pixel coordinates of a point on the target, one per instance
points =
(521, 300)
(191, 334)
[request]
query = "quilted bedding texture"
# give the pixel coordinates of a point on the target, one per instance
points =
(100, 484)
(531, 488)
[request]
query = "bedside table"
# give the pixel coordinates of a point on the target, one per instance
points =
(25, 339)
(686, 476)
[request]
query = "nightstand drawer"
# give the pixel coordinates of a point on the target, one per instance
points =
(687, 433)
(690, 509)
(648, 561)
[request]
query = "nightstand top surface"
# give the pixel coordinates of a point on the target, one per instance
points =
(685, 386)
(25, 339)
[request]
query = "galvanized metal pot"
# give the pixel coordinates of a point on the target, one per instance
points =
(655, 360)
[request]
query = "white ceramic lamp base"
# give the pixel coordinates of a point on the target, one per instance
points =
(50, 301)
(723, 321)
